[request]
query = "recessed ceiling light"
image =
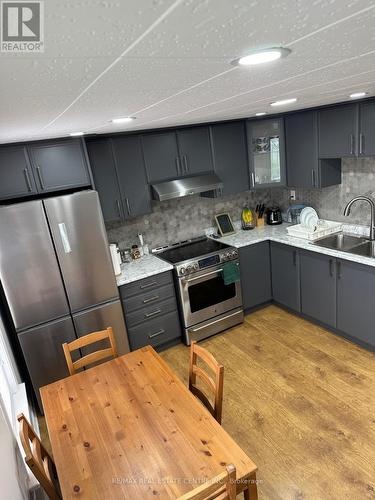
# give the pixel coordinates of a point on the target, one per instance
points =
(124, 119)
(284, 102)
(262, 56)
(262, 113)
(76, 134)
(357, 95)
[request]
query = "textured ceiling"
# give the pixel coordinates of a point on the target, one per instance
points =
(168, 63)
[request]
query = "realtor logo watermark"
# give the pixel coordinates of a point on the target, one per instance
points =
(22, 26)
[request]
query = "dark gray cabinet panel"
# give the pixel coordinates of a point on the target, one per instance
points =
(43, 353)
(230, 156)
(285, 275)
(338, 130)
(255, 274)
(161, 156)
(136, 197)
(15, 173)
(195, 150)
(367, 129)
(59, 165)
(355, 300)
(156, 332)
(304, 169)
(318, 287)
(145, 285)
(105, 178)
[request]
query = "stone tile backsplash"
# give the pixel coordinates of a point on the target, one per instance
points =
(182, 218)
(188, 217)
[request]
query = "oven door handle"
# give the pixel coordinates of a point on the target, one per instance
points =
(202, 276)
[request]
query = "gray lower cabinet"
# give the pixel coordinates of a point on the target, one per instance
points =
(304, 168)
(230, 156)
(338, 131)
(59, 165)
(150, 310)
(43, 353)
(161, 156)
(195, 150)
(285, 275)
(318, 287)
(16, 175)
(135, 192)
(367, 129)
(355, 300)
(255, 268)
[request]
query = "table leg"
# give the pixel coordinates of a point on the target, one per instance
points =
(251, 492)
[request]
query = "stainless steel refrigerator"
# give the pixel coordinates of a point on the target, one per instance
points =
(57, 278)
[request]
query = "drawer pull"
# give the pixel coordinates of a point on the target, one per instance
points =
(151, 299)
(156, 334)
(147, 285)
(153, 313)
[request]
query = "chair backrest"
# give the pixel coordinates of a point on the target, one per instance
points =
(215, 385)
(221, 487)
(93, 357)
(38, 459)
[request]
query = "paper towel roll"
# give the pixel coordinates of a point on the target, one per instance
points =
(115, 259)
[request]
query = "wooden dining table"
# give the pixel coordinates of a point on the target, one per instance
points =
(129, 428)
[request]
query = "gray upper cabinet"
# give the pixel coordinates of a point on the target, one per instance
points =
(318, 287)
(59, 165)
(338, 131)
(367, 129)
(161, 156)
(266, 146)
(17, 178)
(285, 275)
(105, 178)
(255, 274)
(195, 150)
(355, 300)
(230, 156)
(135, 192)
(304, 168)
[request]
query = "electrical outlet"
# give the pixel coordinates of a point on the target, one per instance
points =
(292, 194)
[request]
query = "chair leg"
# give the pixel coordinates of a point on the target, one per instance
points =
(251, 492)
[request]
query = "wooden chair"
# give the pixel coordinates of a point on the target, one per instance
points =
(38, 459)
(93, 357)
(221, 487)
(216, 385)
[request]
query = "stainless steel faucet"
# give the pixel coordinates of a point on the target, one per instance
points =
(372, 206)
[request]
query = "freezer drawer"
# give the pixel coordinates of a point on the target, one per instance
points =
(43, 353)
(81, 243)
(29, 271)
(100, 318)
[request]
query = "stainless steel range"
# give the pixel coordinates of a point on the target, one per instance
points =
(207, 304)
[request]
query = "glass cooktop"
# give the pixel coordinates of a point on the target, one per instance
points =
(191, 250)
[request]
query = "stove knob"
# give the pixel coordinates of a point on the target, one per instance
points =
(234, 254)
(182, 271)
(190, 269)
(196, 266)
(227, 256)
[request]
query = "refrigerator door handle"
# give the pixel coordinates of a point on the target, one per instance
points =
(64, 238)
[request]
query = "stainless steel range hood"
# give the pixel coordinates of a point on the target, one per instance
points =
(185, 187)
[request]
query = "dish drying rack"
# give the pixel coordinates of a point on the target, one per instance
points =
(324, 228)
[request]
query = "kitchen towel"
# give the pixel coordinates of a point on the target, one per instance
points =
(231, 272)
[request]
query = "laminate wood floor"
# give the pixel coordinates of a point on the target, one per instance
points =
(301, 403)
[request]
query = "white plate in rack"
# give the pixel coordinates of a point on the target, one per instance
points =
(309, 218)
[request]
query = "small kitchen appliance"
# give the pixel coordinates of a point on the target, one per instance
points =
(273, 216)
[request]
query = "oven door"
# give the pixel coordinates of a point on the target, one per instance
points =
(204, 295)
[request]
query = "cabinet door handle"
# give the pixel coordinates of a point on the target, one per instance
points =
(339, 270)
(128, 206)
(156, 334)
(119, 209)
(331, 267)
(178, 165)
(313, 178)
(253, 179)
(153, 313)
(40, 177)
(151, 299)
(27, 178)
(294, 257)
(147, 285)
(361, 144)
(186, 164)
(352, 144)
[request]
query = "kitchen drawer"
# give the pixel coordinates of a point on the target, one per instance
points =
(155, 332)
(150, 312)
(145, 285)
(148, 299)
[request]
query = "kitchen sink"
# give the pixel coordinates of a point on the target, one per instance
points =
(341, 241)
(366, 249)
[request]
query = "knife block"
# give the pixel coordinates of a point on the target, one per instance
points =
(260, 222)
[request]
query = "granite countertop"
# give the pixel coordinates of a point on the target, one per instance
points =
(146, 266)
(279, 234)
